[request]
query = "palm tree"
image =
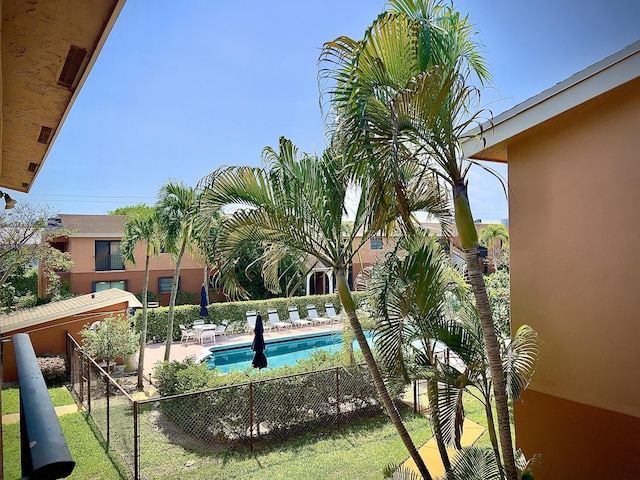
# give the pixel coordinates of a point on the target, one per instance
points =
(402, 94)
(297, 207)
(411, 300)
(177, 211)
(141, 227)
(489, 237)
(408, 296)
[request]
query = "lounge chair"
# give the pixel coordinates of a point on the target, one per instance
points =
(222, 328)
(252, 315)
(187, 335)
(251, 321)
(294, 318)
(274, 319)
(331, 312)
(314, 317)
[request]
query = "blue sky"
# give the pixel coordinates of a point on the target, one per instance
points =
(181, 88)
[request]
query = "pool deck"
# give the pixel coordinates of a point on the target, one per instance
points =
(154, 353)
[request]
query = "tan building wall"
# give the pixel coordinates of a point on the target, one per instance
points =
(575, 183)
(50, 337)
(83, 274)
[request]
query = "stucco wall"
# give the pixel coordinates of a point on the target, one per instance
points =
(573, 213)
(83, 273)
(50, 337)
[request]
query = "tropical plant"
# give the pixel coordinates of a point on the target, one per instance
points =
(177, 208)
(403, 95)
(408, 299)
(110, 339)
(496, 239)
(296, 206)
(141, 226)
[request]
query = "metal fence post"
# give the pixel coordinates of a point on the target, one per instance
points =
(136, 443)
(88, 386)
(251, 415)
(338, 393)
(108, 413)
(415, 396)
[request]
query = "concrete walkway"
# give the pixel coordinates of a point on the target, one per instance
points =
(63, 410)
(471, 432)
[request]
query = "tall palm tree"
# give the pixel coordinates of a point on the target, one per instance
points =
(411, 296)
(177, 210)
(297, 206)
(141, 226)
(489, 237)
(408, 295)
(403, 94)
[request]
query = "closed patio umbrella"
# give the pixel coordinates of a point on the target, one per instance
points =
(259, 358)
(203, 302)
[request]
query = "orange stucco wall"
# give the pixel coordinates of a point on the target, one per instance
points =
(575, 194)
(50, 337)
(83, 273)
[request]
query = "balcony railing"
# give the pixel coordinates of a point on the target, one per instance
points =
(109, 262)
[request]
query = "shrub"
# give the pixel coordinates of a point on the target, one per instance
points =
(54, 370)
(285, 400)
(233, 312)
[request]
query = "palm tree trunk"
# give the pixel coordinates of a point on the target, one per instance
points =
(172, 302)
(432, 395)
(143, 332)
(350, 307)
(469, 240)
(491, 428)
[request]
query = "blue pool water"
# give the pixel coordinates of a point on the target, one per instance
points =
(279, 352)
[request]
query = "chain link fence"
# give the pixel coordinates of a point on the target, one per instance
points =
(249, 414)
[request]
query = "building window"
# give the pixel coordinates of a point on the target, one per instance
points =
(108, 255)
(100, 286)
(164, 284)
(375, 243)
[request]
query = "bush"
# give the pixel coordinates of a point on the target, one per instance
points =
(233, 312)
(285, 399)
(54, 370)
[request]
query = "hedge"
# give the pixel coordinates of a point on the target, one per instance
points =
(233, 312)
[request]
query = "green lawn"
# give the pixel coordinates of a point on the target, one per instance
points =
(91, 460)
(360, 451)
(11, 398)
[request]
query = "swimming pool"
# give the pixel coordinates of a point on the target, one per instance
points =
(279, 352)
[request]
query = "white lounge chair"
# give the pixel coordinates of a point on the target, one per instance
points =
(294, 318)
(274, 319)
(252, 315)
(331, 312)
(314, 317)
(222, 328)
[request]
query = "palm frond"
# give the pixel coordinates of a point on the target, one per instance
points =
(521, 360)
(475, 463)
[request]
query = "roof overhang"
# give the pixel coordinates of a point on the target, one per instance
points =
(47, 50)
(72, 307)
(490, 141)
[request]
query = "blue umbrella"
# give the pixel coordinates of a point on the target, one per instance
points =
(258, 346)
(203, 302)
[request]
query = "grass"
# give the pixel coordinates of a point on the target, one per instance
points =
(91, 460)
(11, 398)
(359, 450)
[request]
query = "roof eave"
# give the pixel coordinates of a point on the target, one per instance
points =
(489, 142)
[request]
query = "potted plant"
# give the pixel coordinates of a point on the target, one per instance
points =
(110, 340)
